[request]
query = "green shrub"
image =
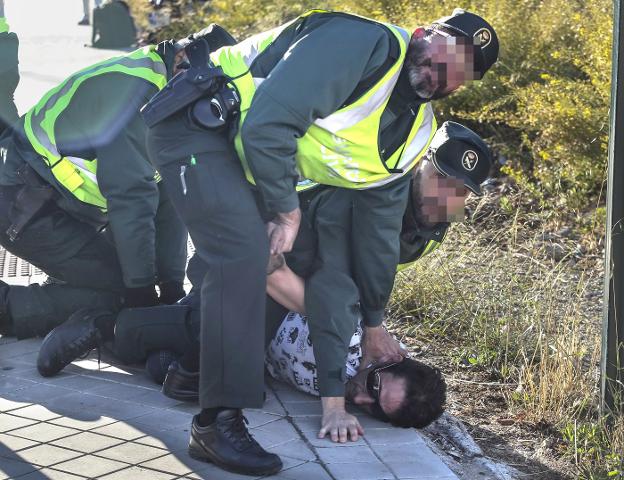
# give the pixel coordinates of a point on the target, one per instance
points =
(543, 107)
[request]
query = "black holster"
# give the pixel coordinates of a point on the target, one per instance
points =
(29, 200)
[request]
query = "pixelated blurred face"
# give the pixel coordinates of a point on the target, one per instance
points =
(438, 198)
(440, 64)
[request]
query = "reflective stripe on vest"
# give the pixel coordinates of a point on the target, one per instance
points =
(4, 26)
(341, 149)
(76, 174)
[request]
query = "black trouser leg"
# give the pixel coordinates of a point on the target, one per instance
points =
(67, 250)
(139, 331)
(230, 237)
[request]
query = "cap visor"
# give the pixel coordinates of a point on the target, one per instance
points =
(449, 172)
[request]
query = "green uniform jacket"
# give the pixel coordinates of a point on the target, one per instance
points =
(304, 85)
(102, 121)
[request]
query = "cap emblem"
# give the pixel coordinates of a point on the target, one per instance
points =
(483, 36)
(470, 160)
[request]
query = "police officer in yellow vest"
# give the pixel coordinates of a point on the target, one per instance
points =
(80, 200)
(336, 99)
(9, 74)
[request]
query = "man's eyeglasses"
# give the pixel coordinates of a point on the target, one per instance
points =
(373, 387)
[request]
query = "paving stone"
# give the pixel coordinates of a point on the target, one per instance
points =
(295, 449)
(307, 471)
(118, 409)
(46, 455)
(87, 442)
(138, 473)
(392, 436)
(11, 384)
(10, 422)
(327, 443)
(353, 454)
(298, 409)
(38, 393)
(43, 432)
(360, 471)
(90, 466)
(7, 405)
(308, 424)
(170, 440)
(35, 412)
(426, 465)
(163, 420)
(87, 423)
(404, 453)
(215, 473)
(81, 383)
(14, 469)
(50, 474)
(367, 421)
(273, 405)
(268, 438)
(176, 464)
(281, 427)
(9, 442)
(134, 453)
(259, 419)
(120, 430)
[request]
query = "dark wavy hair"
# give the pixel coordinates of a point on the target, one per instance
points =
(424, 397)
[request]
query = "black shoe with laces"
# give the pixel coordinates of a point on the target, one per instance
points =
(227, 443)
(181, 384)
(69, 341)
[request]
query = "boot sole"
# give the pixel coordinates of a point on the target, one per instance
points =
(197, 452)
(183, 396)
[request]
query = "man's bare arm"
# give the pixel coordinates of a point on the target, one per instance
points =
(285, 286)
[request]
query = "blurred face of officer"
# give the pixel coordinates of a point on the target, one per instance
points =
(437, 65)
(436, 198)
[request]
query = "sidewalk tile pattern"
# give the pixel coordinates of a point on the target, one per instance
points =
(108, 421)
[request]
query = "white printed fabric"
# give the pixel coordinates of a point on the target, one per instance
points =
(290, 357)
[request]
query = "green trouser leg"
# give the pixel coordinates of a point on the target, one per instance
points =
(331, 296)
(73, 252)
(171, 240)
(215, 202)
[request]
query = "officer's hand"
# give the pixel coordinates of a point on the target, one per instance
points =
(283, 230)
(380, 347)
(337, 422)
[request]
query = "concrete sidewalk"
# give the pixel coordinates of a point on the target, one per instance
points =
(113, 422)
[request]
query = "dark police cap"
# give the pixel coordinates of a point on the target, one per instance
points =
(457, 151)
(466, 24)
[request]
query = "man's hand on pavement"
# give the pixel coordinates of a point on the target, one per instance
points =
(379, 347)
(283, 230)
(337, 422)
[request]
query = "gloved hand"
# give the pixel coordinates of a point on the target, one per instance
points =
(171, 292)
(140, 297)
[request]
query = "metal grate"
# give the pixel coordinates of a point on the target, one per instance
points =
(18, 271)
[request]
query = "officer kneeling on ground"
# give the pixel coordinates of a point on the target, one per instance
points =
(80, 200)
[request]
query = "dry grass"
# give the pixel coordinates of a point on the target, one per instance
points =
(515, 297)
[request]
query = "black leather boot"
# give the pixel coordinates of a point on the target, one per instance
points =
(69, 341)
(180, 384)
(228, 444)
